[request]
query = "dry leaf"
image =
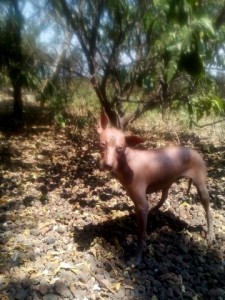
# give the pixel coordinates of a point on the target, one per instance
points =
(66, 266)
(185, 204)
(26, 232)
(117, 286)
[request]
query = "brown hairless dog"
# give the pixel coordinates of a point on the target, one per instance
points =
(142, 172)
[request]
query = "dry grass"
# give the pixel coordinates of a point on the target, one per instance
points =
(84, 110)
(210, 129)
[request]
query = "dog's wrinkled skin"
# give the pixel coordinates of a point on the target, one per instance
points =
(142, 172)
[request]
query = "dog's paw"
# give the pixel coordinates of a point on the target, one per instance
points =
(210, 237)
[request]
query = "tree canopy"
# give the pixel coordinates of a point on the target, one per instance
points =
(147, 52)
(139, 55)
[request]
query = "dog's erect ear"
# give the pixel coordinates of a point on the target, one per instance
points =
(103, 122)
(133, 140)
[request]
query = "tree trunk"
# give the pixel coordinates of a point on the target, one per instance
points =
(18, 102)
(48, 87)
(16, 59)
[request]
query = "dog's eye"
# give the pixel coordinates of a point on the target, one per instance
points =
(103, 145)
(119, 149)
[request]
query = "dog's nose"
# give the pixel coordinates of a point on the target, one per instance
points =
(108, 166)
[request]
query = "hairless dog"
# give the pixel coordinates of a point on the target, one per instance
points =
(143, 172)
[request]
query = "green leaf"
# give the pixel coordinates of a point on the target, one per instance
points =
(207, 24)
(147, 83)
(160, 3)
(171, 70)
(219, 103)
(190, 108)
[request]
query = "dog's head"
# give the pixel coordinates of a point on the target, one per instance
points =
(113, 143)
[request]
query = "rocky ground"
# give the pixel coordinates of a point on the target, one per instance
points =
(67, 229)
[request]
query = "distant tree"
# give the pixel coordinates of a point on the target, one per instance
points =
(148, 53)
(22, 60)
(11, 50)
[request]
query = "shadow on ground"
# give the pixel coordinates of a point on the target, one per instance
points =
(44, 166)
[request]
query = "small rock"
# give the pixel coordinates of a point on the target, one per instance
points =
(179, 259)
(50, 297)
(170, 277)
(156, 283)
(92, 297)
(170, 292)
(213, 294)
(85, 278)
(188, 295)
(62, 289)
(201, 259)
(43, 287)
(50, 240)
(5, 268)
(216, 293)
(78, 293)
(73, 289)
(219, 254)
(60, 229)
(176, 291)
(29, 255)
(5, 226)
(35, 232)
(67, 276)
(141, 289)
(121, 294)
(108, 267)
(34, 296)
(25, 282)
(221, 236)
(2, 281)
(22, 294)
(37, 251)
(37, 203)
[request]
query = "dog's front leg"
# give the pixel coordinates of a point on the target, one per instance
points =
(141, 209)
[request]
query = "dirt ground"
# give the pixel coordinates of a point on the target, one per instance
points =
(68, 230)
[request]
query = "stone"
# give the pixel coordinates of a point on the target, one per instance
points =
(60, 229)
(170, 293)
(221, 236)
(78, 293)
(50, 240)
(35, 232)
(5, 268)
(21, 294)
(50, 297)
(43, 287)
(62, 289)
(73, 289)
(34, 296)
(188, 294)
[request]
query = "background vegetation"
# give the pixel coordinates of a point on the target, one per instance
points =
(127, 56)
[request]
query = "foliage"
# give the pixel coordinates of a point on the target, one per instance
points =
(202, 103)
(143, 48)
(59, 97)
(205, 102)
(16, 60)
(137, 55)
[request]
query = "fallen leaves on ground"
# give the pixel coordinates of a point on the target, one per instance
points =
(68, 228)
